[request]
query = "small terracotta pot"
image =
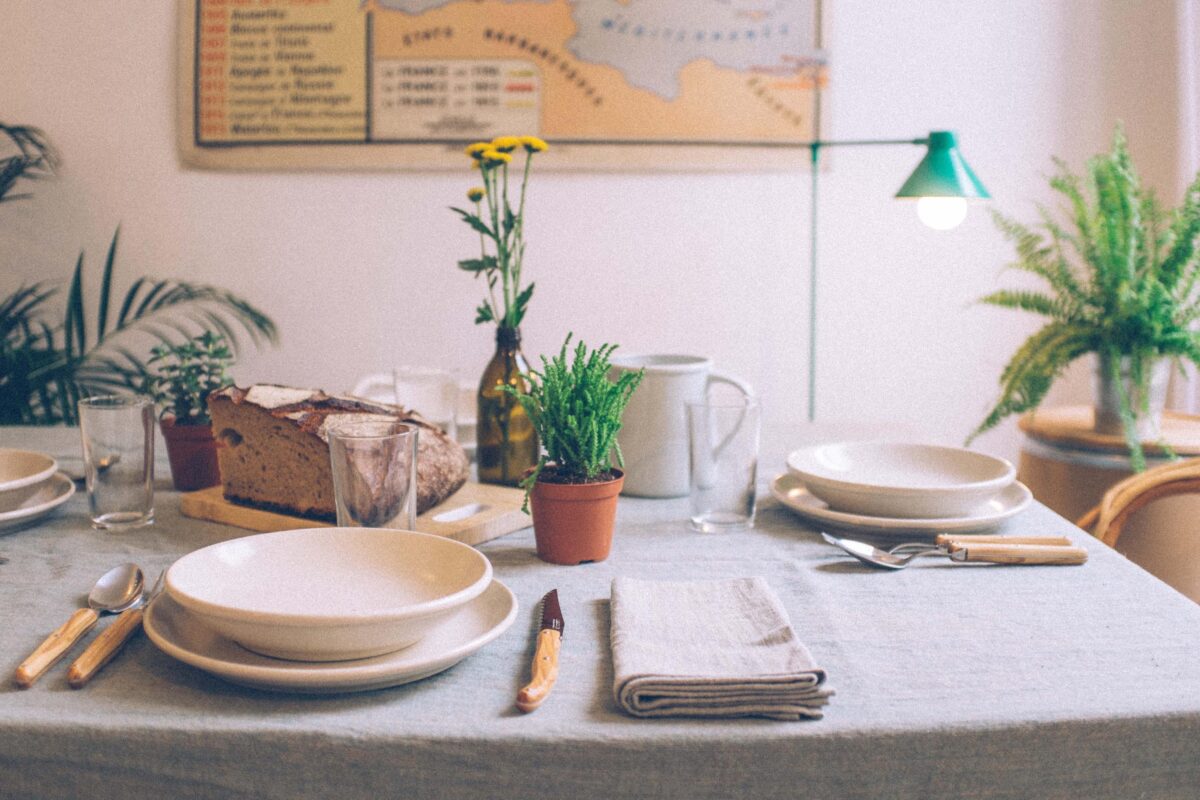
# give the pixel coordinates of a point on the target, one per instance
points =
(573, 522)
(192, 451)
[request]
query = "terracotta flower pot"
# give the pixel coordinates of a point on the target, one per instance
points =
(573, 522)
(192, 451)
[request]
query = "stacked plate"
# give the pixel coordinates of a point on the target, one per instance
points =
(30, 488)
(324, 610)
(902, 488)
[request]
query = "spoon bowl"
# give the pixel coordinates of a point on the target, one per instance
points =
(117, 589)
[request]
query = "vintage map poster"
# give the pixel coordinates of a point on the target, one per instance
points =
(670, 84)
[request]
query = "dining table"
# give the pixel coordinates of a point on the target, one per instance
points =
(950, 680)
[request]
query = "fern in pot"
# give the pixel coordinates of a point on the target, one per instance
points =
(182, 376)
(576, 410)
(1121, 282)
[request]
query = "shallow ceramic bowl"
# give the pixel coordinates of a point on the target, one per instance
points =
(916, 481)
(328, 594)
(22, 473)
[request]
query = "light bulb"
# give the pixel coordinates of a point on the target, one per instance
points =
(942, 213)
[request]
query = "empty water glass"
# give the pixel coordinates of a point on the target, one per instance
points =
(118, 459)
(431, 392)
(723, 458)
(374, 473)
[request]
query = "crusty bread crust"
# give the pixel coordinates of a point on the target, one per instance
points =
(276, 449)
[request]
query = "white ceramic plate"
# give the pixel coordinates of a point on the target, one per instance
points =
(889, 479)
(328, 594)
(49, 496)
(180, 635)
(791, 491)
(24, 468)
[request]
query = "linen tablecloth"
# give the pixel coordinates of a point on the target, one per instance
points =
(953, 681)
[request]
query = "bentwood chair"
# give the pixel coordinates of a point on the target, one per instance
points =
(1108, 519)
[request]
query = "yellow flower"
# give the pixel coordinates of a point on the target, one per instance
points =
(476, 150)
(475, 194)
(534, 145)
(494, 158)
(506, 144)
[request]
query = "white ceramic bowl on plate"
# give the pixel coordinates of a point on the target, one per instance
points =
(22, 472)
(887, 479)
(328, 594)
(23, 507)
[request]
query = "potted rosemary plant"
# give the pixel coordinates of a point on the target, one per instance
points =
(182, 378)
(506, 443)
(1121, 277)
(576, 410)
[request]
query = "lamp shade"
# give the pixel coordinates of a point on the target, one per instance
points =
(943, 172)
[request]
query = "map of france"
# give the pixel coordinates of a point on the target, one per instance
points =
(331, 73)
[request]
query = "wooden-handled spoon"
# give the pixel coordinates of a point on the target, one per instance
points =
(117, 590)
(105, 646)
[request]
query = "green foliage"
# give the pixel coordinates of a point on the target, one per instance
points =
(48, 362)
(49, 359)
(1121, 275)
(183, 375)
(576, 410)
(33, 158)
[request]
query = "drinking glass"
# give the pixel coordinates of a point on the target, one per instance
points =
(118, 459)
(723, 458)
(431, 392)
(374, 473)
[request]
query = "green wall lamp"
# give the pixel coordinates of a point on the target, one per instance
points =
(941, 184)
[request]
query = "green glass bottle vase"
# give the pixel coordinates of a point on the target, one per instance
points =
(506, 443)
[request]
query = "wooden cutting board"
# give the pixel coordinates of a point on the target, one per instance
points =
(475, 514)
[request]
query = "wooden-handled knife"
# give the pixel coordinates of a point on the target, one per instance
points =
(545, 658)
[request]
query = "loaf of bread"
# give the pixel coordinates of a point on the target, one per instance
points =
(276, 449)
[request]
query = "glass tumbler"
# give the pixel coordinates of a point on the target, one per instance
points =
(118, 459)
(374, 473)
(723, 459)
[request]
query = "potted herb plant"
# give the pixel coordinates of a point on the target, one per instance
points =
(1122, 278)
(182, 378)
(506, 443)
(576, 410)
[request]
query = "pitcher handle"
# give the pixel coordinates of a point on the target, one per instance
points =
(718, 376)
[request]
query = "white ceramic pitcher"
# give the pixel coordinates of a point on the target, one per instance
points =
(654, 433)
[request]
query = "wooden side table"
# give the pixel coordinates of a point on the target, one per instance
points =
(1069, 467)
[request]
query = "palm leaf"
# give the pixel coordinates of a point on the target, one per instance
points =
(75, 323)
(47, 369)
(106, 284)
(37, 159)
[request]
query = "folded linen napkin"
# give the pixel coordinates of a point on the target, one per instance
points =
(710, 648)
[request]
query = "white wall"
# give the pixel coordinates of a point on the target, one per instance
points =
(358, 269)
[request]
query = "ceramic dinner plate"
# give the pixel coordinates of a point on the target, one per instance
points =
(790, 490)
(49, 496)
(180, 635)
